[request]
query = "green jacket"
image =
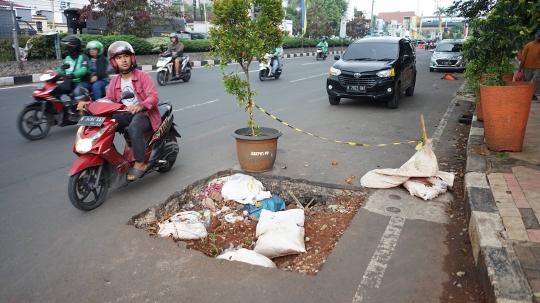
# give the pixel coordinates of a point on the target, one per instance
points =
(80, 68)
(323, 45)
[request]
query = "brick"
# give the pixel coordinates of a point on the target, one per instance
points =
(529, 219)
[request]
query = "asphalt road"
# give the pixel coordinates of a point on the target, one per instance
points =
(52, 252)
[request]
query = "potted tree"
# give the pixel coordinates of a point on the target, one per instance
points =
(495, 41)
(244, 31)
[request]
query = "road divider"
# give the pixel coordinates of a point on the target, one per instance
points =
(336, 141)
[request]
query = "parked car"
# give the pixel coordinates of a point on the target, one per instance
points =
(199, 36)
(448, 55)
(374, 68)
(6, 26)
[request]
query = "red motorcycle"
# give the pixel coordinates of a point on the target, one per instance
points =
(100, 166)
(48, 108)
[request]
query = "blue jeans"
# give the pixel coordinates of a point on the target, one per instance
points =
(97, 88)
(77, 91)
(275, 64)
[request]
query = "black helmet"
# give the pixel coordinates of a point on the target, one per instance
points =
(72, 44)
(118, 48)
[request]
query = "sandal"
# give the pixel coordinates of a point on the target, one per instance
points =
(136, 173)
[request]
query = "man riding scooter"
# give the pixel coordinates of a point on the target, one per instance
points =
(324, 45)
(276, 63)
(177, 50)
(76, 69)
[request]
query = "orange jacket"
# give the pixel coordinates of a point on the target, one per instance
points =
(531, 56)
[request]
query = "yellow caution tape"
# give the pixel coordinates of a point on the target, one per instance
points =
(337, 141)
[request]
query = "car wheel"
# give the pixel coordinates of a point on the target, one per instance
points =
(410, 91)
(334, 100)
(393, 102)
(431, 69)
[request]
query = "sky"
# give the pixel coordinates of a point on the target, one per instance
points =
(428, 7)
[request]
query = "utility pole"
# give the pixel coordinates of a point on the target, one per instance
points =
(15, 37)
(52, 10)
(372, 19)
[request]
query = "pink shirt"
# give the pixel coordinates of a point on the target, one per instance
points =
(145, 91)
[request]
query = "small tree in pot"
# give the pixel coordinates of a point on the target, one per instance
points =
(244, 31)
(489, 52)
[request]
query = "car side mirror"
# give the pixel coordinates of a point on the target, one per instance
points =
(337, 57)
(431, 50)
(406, 57)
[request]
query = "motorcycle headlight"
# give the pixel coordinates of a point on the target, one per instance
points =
(334, 71)
(84, 145)
(386, 73)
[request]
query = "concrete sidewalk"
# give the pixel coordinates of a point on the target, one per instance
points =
(34, 78)
(502, 195)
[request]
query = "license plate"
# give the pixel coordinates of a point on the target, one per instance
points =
(356, 88)
(91, 121)
(446, 63)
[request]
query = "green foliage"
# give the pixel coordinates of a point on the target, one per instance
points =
(496, 39)
(357, 27)
(210, 239)
(240, 37)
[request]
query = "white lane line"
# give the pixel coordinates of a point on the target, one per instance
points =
(309, 77)
(196, 105)
(444, 120)
(10, 87)
(376, 267)
(311, 63)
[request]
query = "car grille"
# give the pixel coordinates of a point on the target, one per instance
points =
(368, 81)
(446, 62)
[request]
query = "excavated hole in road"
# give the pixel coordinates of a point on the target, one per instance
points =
(331, 210)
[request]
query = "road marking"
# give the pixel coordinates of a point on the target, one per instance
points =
(309, 77)
(36, 83)
(196, 105)
(311, 63)
(376, 267)
(444, 120)
(375, 270)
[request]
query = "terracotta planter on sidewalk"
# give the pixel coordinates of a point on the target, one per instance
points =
(256, 154)
(506, 111)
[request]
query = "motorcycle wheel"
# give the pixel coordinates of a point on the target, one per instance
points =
(33, 124)
(318, 56)
(81, 192)
(187, 75)
(162, 78)
(263, 74)
(171, 140)
(277, 75)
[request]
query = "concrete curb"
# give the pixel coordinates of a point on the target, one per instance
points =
(26, 79)
(497, 266)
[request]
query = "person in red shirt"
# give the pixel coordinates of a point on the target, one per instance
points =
(530, 63)
(143, 113)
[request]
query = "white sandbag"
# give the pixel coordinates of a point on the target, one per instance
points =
(244, 189)
(428, 188)
(183, 226)
(422, 164)
(280, 233)
(246, 256)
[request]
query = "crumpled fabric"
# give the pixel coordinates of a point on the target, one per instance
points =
(244, 189)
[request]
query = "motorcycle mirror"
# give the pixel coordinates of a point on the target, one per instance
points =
(127, 95)
(337, 57)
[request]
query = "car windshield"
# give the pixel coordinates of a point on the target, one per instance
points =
(372, 51)
(450, 47)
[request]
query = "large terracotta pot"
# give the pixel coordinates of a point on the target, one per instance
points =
(506, 111)
(256, 154)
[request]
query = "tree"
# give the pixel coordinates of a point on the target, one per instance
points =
(358, 26)
(130, 17)
(241, 37)
(319, 14)
(471, 8)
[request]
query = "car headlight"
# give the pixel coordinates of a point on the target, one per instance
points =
(84, 145)
(386, 73)
(434, 56)
(334, 71)
(459, 57)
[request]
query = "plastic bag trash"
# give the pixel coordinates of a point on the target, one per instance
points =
(183, 226)
(246, 256)
(280, 233)
(422, 164)
(243, 189)
(520, 76)
(430, 187)
(273, 204)
(231, 218)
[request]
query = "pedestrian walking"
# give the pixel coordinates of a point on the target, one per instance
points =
(530, 63)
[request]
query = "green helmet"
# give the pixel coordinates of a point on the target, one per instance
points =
(95, 45)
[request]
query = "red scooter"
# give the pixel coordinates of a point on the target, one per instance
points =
(101, 166)
(48, 108)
